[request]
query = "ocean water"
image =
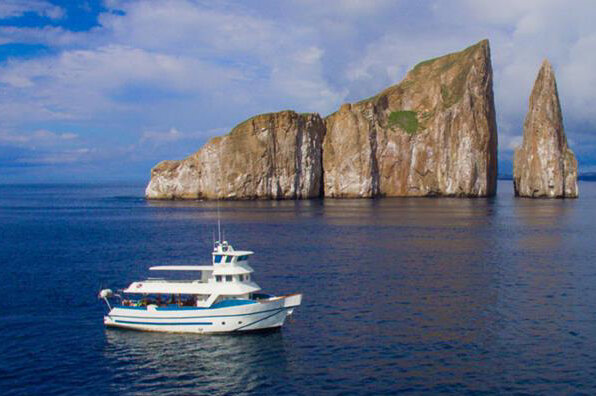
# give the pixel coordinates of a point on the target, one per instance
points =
(413, 295)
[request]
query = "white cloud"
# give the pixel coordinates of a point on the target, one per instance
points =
(53, 36)
(78, 84)
(201, 66)
(68, 136)
(170, 136)
(510, 143)
(236, 58)
(343, 9)
(174, 135)
(38, 137)
(17, 8)
(57, 157)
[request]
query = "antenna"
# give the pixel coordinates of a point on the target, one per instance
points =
(218, 224)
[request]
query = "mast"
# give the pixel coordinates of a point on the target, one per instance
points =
(218, 224)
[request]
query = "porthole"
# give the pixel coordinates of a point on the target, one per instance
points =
(223, 323)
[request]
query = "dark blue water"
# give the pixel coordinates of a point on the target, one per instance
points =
(420, 295)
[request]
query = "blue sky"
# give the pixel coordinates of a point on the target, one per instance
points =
(103, 90)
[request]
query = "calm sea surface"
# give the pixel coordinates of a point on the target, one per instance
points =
(415, 295)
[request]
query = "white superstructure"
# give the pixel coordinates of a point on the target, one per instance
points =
(222, 298)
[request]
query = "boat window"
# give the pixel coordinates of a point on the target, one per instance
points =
(241, 277)
(247, 277)
(218, 258)
(218, 278)
(189, 301)
(228, 278)
(242, 258)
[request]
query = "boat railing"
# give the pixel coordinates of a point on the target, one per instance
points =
(163, 302)
(162, 280)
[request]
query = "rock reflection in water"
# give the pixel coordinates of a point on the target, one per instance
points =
(544, 218)
(185, 364)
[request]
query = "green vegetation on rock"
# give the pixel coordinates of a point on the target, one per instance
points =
(405, 119)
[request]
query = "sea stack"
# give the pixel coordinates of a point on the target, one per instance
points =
(433, 134)
(544, 166)
(270, 156)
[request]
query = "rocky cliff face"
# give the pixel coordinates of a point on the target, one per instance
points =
(432, 134)
(544, 166)
(270, 156)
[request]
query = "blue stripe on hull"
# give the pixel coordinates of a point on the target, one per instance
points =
(198, 317)
(165, 323)
(260, 320)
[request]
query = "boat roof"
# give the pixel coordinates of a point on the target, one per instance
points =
(195, 287)
(182, 268)
(234, 252)
(221, 269)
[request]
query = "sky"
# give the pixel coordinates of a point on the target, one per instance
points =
(102, 90)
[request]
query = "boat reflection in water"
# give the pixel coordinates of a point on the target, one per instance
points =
(190, 364)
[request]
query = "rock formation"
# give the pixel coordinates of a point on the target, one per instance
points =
(544, 166)
(270, 156)
(432, 134)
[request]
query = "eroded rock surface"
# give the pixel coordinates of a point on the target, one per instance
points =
(432, 134)
(544, 165)
(270, 156)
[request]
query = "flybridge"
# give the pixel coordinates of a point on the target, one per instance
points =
(224, 253)
(182, 268)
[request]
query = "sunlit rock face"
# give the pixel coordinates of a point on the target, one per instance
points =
(544, 165)
(270, 156)
(434, 133)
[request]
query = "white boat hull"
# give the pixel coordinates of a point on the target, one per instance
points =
(263, 314)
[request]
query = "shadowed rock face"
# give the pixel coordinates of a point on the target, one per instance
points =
(544, 166)
(432, 134)
(270, 156)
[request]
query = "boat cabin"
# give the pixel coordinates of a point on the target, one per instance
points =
(227, 281)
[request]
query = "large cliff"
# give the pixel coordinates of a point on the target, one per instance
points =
(270, 156)
(544, 166)
(432, 134)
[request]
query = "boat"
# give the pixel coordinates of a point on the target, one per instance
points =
(223, 298)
